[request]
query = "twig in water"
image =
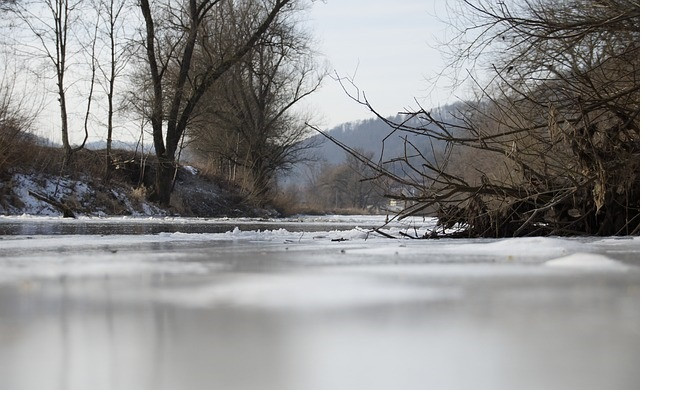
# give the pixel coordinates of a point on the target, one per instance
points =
(408, 235)
(380, 232)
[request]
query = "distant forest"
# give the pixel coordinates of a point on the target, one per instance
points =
(547, 143)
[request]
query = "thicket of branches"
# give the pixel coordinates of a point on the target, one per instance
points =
(345, 186)
(551, 147)
(13, 123)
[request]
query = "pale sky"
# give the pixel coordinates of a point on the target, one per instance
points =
(388, 45)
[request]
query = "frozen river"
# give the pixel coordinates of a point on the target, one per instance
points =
(181, 303)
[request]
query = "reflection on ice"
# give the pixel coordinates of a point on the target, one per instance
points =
(90, 266)
(311, 291)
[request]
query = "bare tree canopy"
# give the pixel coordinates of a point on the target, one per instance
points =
(173, 33)
(248, 128)
(7, 4)
(552, 144)
(53, 23)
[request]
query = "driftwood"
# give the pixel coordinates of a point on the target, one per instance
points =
(67, 211)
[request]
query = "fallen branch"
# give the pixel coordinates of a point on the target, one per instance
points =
(405, 234)
(67, 212)
(380, 232)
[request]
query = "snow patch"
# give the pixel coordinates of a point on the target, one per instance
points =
(77, 193)
(586, 261)
(191, 170)
(21, 185)
(543, 246)
(513, 248)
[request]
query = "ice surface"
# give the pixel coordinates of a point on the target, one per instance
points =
(359, 241)
(19, 268)
(328, 309)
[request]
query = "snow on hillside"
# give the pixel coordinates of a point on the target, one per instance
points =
(19, 196)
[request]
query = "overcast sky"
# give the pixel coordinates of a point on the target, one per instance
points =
(388, 45)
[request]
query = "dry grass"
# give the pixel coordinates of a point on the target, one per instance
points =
(16, 148)
(139, 194)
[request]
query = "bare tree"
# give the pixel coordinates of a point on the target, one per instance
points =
(17, 113)
(349, 185)
(552, 146)
(249, 124)
(5, 5)
(51, 23)
(111, 20)
(170, 42)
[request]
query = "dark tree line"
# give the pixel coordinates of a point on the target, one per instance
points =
(551, 145)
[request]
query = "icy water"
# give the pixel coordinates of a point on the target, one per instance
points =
(112, 226)
(182, 304)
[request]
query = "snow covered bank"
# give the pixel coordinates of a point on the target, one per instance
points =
(83, 196)
(194, 195)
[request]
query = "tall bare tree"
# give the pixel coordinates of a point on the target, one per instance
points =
(51, 23)
(172, 34)
(111, 19)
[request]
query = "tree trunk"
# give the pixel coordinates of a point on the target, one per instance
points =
(110, 116)
(60, 32)
(67, 149)
(165, 172)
